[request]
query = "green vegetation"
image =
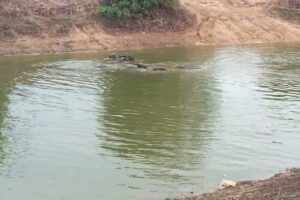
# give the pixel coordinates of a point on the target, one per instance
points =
(112, 9)
(295, 170)
(289, 14)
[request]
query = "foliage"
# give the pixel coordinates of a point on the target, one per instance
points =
(289, 14)
(111, 9)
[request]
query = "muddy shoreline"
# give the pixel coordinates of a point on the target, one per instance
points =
(113, 50)
(49, 27)
(281, 186)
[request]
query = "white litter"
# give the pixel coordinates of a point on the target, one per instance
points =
(226, 184)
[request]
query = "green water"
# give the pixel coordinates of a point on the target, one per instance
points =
(77, 126)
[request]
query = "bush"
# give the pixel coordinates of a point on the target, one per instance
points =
(111, 9)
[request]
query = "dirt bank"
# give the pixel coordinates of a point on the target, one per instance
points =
(281, 186)
(49, 26)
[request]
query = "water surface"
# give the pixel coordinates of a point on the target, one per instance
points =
(72, 128)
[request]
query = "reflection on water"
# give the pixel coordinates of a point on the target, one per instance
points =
(71, 129)
(281, 87)
(160, 120)
(3, 105)
(281, 80)
(11, 72)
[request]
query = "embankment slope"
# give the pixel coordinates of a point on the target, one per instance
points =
(49, 26)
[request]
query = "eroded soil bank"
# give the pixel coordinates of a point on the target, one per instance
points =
(50, 26)
(281, 186)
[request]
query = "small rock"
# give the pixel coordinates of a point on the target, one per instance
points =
(226, 184)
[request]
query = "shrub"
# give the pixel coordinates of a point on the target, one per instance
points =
(111, 9)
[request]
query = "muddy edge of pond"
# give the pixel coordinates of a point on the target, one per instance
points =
(281, 186)
(47, 27)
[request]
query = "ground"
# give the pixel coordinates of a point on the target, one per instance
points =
(51, 26)
(284, 186)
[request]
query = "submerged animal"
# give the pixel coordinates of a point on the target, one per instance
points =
(121, 58)
(126, 58)
(159, 69)
(187, 67)
(141, 66)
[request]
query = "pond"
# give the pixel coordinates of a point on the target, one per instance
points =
(77, 126)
